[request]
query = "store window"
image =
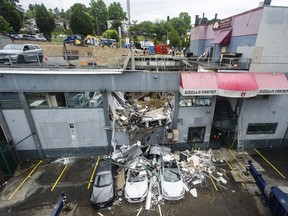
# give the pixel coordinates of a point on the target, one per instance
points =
(262, 128)
(196, 134)
(10, 100)
(195, 101)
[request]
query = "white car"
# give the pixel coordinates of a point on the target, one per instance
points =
(172, 186)
(21, 53)
(136, 187)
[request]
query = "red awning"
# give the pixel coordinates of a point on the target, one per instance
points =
(196, 83)
(223, 37)
(237, 81)
(272, 83)
(233, 85)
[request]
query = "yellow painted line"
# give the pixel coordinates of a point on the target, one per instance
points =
(93, 173)
(59, 177)
(238, 160)
(226, 161)
(213, 183)
(29, 175)
(270, 163)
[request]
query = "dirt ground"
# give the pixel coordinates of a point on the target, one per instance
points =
(101, 55)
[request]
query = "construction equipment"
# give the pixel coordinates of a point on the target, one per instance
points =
(59, 205)
(77, 40)
(275, 197)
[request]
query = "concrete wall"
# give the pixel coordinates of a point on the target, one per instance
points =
(273, 110)
(61, 131)
(196, 117)
(271, 51)
(19, 129)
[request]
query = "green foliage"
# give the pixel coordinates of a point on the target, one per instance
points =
(186, 19)
(80, 21)
(44, 21)
(155, 41)
(4, 25)
(111, 34)
(9, 12)
(174, 38)
(115, 12)
(99, 12)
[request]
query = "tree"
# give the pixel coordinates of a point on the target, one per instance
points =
(184, 16)
(44, 21)
(111, 34)
(99, 13)
(4, 25)
(115, 12)
(11, 14)
(80, 21)
(174, 38)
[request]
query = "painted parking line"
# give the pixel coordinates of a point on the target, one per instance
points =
(270, 164)
(213, 183)
(93, 173)
(59, 177)
(244, 169)
(29, 175)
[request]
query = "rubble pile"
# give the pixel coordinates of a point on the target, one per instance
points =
(198, 168)
(137, 110)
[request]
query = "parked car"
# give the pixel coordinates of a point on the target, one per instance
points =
(103, 192)
(171, 182)
(136, 187)
(40, 38)
(21, 53)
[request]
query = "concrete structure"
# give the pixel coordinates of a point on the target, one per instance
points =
(53, 112)
(258, 35)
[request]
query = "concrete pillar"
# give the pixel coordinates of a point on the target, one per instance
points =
(176, 110)
(106, 116)
(31, 124)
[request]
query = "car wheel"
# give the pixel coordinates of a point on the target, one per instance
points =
(41, 59)
(20, 59)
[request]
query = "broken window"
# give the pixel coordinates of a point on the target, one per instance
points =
(196, 134)
(10, 100)
(195, 101)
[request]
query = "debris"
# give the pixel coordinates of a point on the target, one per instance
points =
(149, 195)
(223, 180)
(198, 181)
(160, 212)
(120, 181)
(100, 214)
(194, 192)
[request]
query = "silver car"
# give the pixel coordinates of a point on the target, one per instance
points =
(21, 53)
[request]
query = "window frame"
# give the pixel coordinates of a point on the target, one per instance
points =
(262, 128)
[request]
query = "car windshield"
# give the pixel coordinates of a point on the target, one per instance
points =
(103, 180)
(13, 47)
(136, 176)
(171, 175)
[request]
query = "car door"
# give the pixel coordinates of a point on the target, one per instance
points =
(33, 53)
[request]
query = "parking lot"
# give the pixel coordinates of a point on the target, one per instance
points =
(37, 185)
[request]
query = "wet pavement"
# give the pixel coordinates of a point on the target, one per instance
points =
(35, 197)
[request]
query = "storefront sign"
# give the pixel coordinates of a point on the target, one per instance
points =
(199, 92)
(225, 23)
(272, 91)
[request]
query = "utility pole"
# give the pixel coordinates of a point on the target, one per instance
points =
(129, 20)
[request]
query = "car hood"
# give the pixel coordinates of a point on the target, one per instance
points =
(136, 189)
(10, 51)
(173, 189)
(102, 194)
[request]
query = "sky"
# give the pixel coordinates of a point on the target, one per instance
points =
(152, 10)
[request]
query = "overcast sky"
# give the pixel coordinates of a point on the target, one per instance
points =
(150, 10)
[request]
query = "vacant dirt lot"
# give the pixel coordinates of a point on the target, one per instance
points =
(101, 55)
